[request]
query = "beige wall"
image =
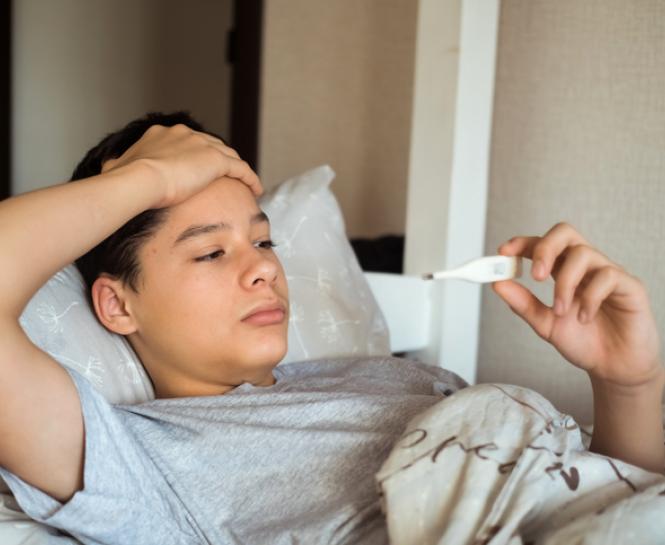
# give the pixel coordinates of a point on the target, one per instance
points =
(579, 135)
(337, 88)
(83, 68)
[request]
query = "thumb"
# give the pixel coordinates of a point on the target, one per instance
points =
(526, 305)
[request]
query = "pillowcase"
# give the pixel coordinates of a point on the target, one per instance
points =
(60, 321)
(333, 312)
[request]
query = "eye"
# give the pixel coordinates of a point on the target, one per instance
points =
(210, 257)
(266, 244)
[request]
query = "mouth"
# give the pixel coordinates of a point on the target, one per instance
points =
(271, 313)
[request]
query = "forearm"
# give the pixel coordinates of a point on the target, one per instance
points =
(628, 424)
(44, 230)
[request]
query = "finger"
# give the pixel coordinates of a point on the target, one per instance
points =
(551, 245)
(232, 152)
(218, 143)
(527, 306)
(573, 266)
(522, 246)
(545, 250)
(239, 169)
(605, 282)
(228, 150)
(518, 246)
(236, 165)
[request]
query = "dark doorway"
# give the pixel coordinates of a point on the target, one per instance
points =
(244, 51)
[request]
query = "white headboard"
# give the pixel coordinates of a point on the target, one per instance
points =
(447, 184)
(406, 304)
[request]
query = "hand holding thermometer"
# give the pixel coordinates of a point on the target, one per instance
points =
(483, 270)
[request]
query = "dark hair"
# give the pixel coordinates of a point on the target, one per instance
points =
(117, 255)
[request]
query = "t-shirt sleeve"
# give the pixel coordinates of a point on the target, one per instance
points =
(444, 382)
(125, 499)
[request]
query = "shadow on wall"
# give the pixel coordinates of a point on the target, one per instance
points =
(82, 69)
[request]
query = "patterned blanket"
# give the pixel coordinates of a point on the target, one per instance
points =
(498, 464)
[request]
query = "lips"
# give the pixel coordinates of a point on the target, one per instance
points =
(269, 313)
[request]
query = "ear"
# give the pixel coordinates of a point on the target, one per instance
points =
(109, 297)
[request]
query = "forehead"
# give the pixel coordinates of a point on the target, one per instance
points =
(223, 200)
(223, 206)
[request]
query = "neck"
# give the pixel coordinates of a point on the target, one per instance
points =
(189, 387)
(169, 379)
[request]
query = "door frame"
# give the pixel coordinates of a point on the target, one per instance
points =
(244, 52)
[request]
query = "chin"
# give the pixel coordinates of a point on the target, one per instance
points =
(268, 352)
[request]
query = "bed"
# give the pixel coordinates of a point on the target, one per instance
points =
(523, 473)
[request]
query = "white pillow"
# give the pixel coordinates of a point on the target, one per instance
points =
(59, 320)
(333, 312)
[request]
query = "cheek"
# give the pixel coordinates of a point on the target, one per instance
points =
(206, 301)
(197, 306)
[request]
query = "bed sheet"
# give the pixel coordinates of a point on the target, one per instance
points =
(498, 464)
(16, 528)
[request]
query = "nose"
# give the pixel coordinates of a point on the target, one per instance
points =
(260, 270)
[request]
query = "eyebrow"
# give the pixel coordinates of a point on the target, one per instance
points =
(197, 230)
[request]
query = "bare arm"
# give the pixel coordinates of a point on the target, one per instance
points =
(628, 423)
(41, 426)
(44, 230)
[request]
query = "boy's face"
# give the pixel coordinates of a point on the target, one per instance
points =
(197, 327)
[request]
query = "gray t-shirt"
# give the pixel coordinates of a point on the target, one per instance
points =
(292, 463)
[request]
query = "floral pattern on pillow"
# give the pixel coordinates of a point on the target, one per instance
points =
(333, 311)
(59, 320)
